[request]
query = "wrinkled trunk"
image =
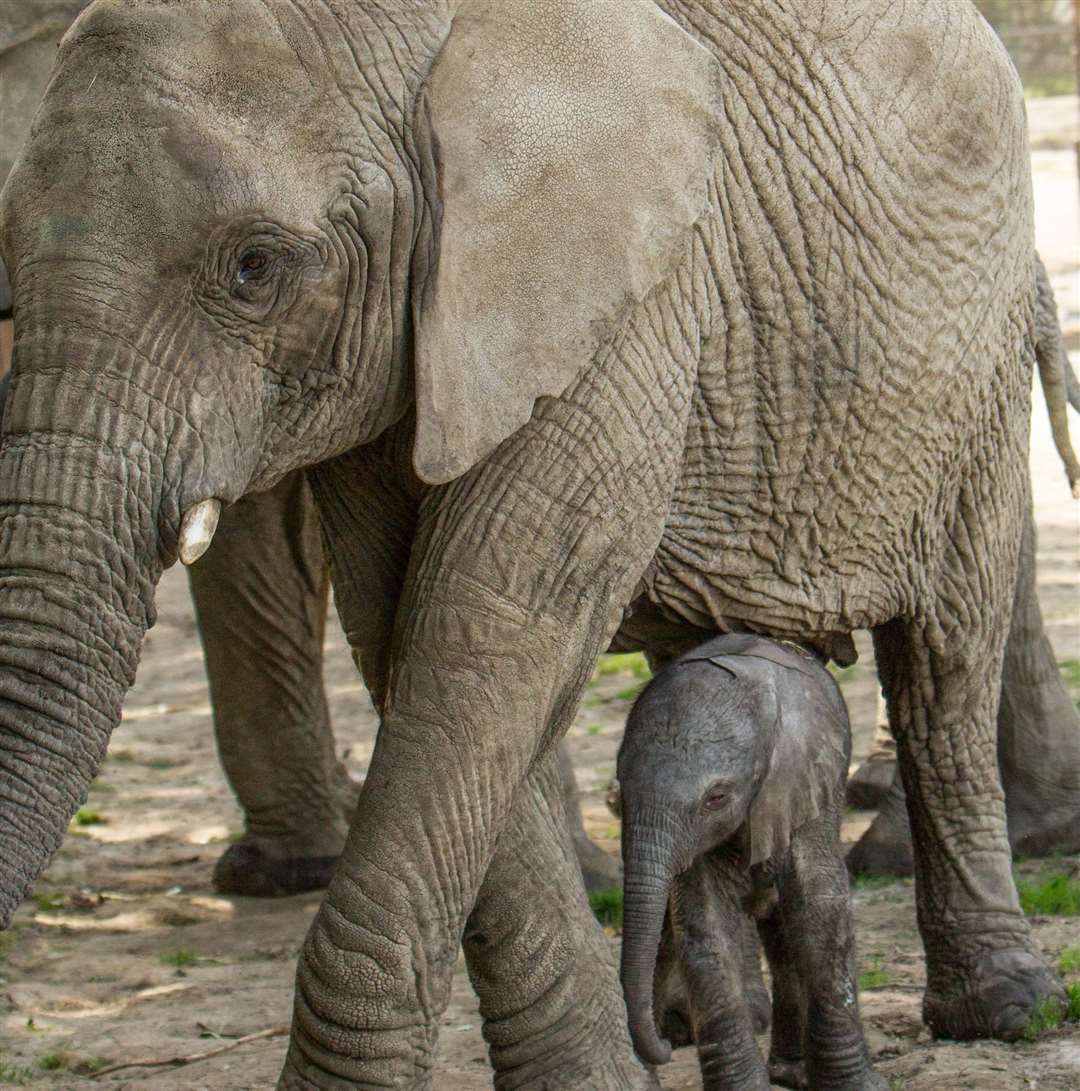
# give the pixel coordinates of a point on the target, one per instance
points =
(79, 558)
(651, 859)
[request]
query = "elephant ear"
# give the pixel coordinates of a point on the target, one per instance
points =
(807, 766)
(573, 141)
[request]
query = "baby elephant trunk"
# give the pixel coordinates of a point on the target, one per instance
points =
(650, 863)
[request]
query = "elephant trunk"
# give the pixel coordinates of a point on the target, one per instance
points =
(652, 856)
(79, 558)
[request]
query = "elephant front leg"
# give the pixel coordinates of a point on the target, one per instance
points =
(260, 597)
(532, 935)
(708, 922)
(817, 943)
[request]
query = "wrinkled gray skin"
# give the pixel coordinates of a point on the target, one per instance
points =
(590, 321)
(732, 776)
(1038, 723)
(260, 598)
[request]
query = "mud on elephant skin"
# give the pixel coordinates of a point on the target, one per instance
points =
(731, 776)
(518, 283)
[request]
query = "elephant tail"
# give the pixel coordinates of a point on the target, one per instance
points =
(1059, 382)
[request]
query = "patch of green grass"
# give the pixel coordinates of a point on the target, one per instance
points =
(874, 978)
(631, 692)
(1047, 1015)
(839, 672)
(1055, 895)
(7, 941)
(594, 729)
(1070, 672)
(87, 1066)
(896, 1083)
(873, 882)
(632, 662)
(48, 901)
(1043, 85)
(103, 787)
(163, 763)
(180, 957)
(14, 1075)
(1072, 1008)
(1069, 960)
(55, 1061)
(607, 907)
(87, 816)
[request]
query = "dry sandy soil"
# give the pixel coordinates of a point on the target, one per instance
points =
(85, 974)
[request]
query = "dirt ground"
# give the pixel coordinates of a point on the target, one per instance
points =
(125, 952)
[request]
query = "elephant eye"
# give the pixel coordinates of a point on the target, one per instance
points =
(253, 266)
(715, 799)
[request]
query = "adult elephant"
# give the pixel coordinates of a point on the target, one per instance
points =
(260, 597)
(592, 317)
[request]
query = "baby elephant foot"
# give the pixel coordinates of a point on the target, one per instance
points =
(995, 998)
(785, 1073)
(244, 869)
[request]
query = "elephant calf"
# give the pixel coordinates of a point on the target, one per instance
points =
(732, 777)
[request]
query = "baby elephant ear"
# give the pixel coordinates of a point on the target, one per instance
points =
(573, 141)
(807, 768)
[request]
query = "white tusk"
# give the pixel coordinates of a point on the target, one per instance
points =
(197, 529)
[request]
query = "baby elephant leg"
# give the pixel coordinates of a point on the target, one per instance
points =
(819, 940)
(708, 922)
(786, 1067)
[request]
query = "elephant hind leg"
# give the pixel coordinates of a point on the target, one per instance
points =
(941, 673)
(261, 596)
(1038, 729)
(1038, 746)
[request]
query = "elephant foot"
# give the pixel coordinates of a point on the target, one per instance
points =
(245, 870)
(870, 783)
(885, 848)
(866, 1080)
(584, 1075)
(994, 998)
(600, 870)
(788, 1073)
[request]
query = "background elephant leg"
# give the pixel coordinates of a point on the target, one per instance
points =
(870, 783)
(533, 948)
(1038, 730)
(260, 598)
(818, 943)
(941, 673)
(786, 1066)
(600, 870)
(708, 922)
